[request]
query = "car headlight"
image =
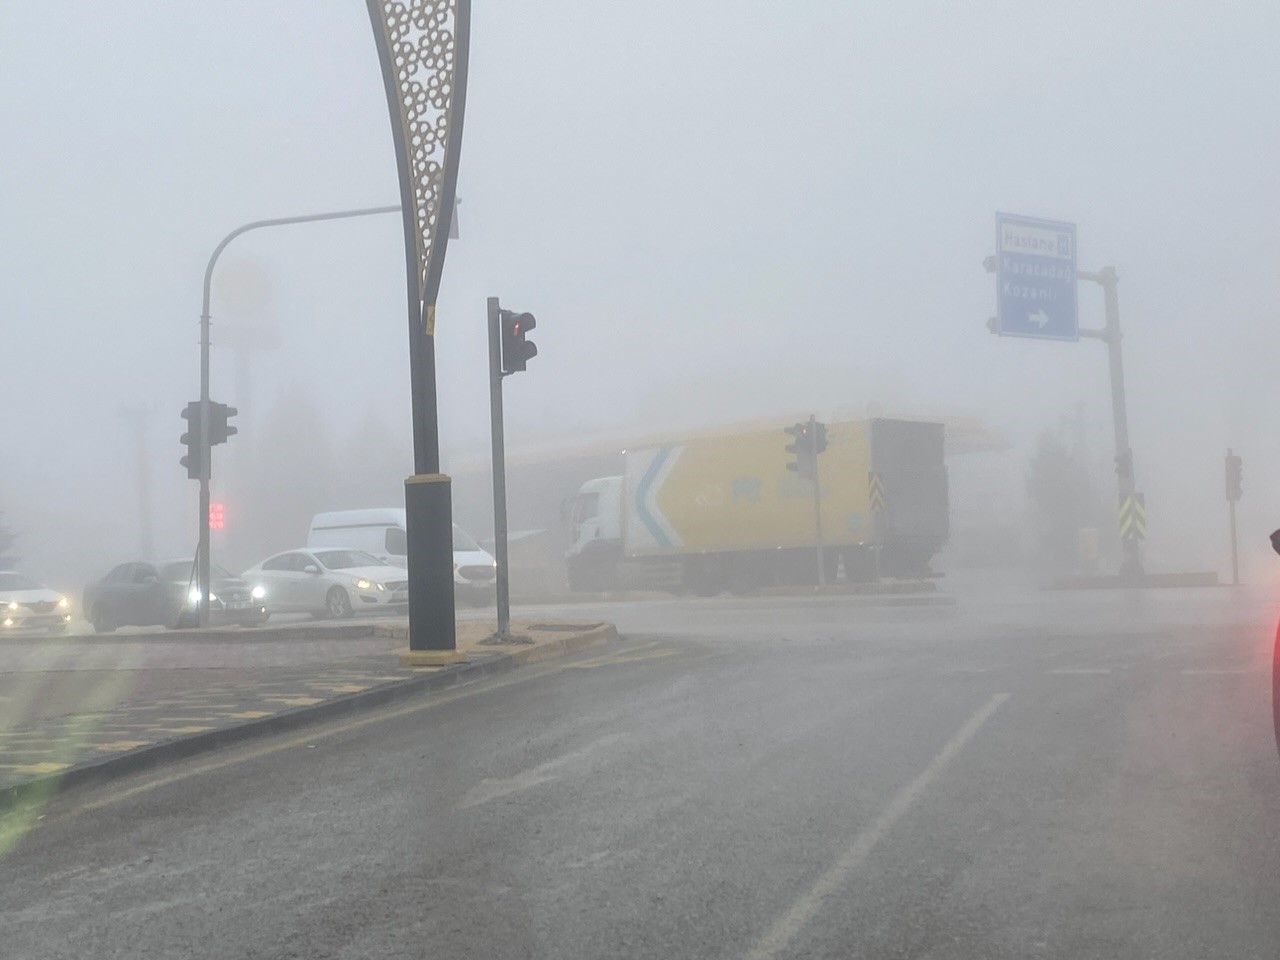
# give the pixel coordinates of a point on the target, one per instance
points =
(13, 605)
(64, 604)
(194, 597)
(258, 592)
(363, 584)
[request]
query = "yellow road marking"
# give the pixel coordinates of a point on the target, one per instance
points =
(250, 714)
(296, 701)
(120, 744)
(29, 769)
(184, 729)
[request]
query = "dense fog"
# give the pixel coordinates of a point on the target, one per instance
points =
(734, 211)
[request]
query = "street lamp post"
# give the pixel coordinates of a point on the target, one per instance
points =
(422, 49)
(202, 549)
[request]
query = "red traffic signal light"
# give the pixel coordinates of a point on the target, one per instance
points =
(516, 350)
(217, 516)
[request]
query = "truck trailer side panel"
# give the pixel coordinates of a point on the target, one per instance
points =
(734, 493)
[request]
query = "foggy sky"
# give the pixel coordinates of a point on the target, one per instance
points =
(789, 202)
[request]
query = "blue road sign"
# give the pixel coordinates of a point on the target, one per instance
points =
(1036, 278)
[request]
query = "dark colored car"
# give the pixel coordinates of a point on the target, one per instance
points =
(142, 594)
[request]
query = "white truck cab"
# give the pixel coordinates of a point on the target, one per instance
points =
(595, 531)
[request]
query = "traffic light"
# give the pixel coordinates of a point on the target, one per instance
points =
(819, 437)
(220, 430)
(1124, 465)
(803, 461)
(194, 461)
(516, 350)
(1235, 475)
(217, 517)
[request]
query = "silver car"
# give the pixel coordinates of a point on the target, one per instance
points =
(331, 582)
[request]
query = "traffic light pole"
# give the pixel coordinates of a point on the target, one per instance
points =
(1235, 556)
(817, 504)
(1131, 565)
(202, 550)
(499, 470)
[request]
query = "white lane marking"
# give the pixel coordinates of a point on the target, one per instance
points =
(1218, 672)
(1080, 671)
(488, 789)
(964, 669)
(804, 909)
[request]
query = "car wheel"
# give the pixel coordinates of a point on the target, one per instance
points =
(102, 620)
(337, 604)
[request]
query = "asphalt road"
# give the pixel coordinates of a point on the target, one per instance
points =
(1022, 777)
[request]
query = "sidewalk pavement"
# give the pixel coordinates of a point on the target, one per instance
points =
(90, 711)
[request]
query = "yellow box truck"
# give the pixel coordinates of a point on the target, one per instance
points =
(723, 512)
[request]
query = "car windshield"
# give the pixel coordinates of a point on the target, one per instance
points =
(462, 540)
(347, 559)
(16, 581)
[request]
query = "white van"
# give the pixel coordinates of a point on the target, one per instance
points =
(381, 532)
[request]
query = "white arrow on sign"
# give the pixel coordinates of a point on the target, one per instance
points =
(1039, 318)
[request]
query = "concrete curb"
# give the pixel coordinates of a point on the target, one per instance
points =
(479, 667)
(341, 630)
(563, 646)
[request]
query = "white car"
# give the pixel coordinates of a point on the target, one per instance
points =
(333, 582)
(26, 606)
(382, 533)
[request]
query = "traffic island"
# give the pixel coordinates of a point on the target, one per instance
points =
(42, 755)
(527, 641)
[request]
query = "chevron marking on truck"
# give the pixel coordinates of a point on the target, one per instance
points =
(664, 459)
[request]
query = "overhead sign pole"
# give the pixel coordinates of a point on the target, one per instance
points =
(1036, 280)
(1131, 564)
(422, 48)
